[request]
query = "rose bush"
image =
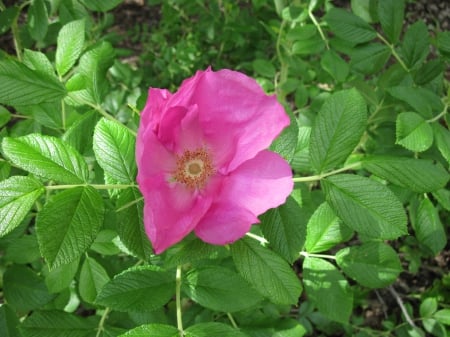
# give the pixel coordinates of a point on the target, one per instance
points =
(202, 158)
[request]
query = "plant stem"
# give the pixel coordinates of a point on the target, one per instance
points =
(96, 186)
(402, 306)
(323, 175)
(322, 35)
(324, 256)
(261, 240)
(178, 301)
(233, 322)
(393, 51)
(442, 114)
(101, 324)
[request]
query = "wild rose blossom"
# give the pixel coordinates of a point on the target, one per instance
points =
(202, 158)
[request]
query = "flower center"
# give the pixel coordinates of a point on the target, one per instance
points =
(194, 168)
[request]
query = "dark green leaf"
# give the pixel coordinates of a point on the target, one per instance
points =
(413, 132)
(8, 320)
(114, 151)
(419, 175)
(373, 264)
(92, 279)
(18, 195)
(213, 329)
(266, 271)
(327, 289)
(349, 27)
(79, 134)
(23, 250)
(366, 205)
(416, 45)
(47, 157)
(101, 5)
(370, 58)
(284, 227)
(68, 224)
(5, 116)
(391, 15)
(69, 46)
(285, 143)
(428, 228)
(24, 290)
(325, 230)
(153, 330)
(264, 68)
(428, 72)
(7, 17)
(422, 100)
(335, 65)
(61, 277)
(443, 42)
(23, 86)
(442, 137)
(38, 20)
(220, 289)
(138, 289)
(58, 324)
(337, 129)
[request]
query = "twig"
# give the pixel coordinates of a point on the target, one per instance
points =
(402, 306)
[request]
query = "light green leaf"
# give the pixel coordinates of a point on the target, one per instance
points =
(443, 197)
(373, 264)
(58, 324)
(416, 45)
(428, 307)
(337, 129)
(443, 316)
(38, 61)
(23, 86)
(8, 319)
(24, 290)
(69, 46)
(428, 228)
(76, 134)
(391, 14)
(422, 100)
(131, 231)
(413, 132)
(266, 271)
(60, 278)
(101, 5)
(37, 20)
(443, 42)
(366, 205)
(153, 330)
(349, 27)
(114, 151)
(264, 68)
(47, 157)
(284, 227)
(334, 65)
(220, 289)
(442, 137)
(68, 224)
(419, 175)
(138, 289)
(285, 143)
(213, 329)
(17, 196)
(327, 289)
(325, 230)
(92, 279)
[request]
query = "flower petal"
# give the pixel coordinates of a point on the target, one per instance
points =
(171, 211)
(154, 108)
(260, 183)
(224, 223)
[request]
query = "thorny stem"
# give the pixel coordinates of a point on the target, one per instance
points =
(393, 51)
(96, 186)
(102, 322)
(402, 306)
(323, 175)
(178, 301)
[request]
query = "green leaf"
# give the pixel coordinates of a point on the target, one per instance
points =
(68, 224)
(391, 15)
(153, 330)
(366, 205)
(23, 86)
(7, 17)
(38, 61)
(114, 151)
(92, 279)
(428, 307)
(416, 45)
(428, 71)
(413, 132)
(266, 271)
(5, 116)
(101, 5)
(419, 175)
(443, 316)
(349, 27)
(17, 196)
(327, 289)
(334, 65)
(443, 42)
(442, 137)
(337, 130)
(370, 58)
(24, 290)
(8, 319)
(285, 143)
(325, 230)
(37, 20)
(264, 68)
(138, 289)
(47, 157)
(220, 289)
(131, 219)
(443, 197)
(58, 324)
(213, 329)
(422, 100)
(428, 228)
(284, 227)
(61, 277)
(373, 264)
(69, 46)
(311, 46)
(23, 250)
(77, 134)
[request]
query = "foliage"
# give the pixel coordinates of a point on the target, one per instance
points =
(369, 144)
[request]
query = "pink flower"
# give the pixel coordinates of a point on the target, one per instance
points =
(202, 159)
